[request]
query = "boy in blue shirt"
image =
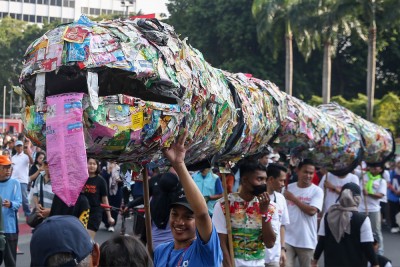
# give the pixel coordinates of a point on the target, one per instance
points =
(196, 241)
(10, 192)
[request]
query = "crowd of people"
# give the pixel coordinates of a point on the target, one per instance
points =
(276, 214)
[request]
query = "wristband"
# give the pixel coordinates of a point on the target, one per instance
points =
(268, 219)
(267, 216)
(284, 249)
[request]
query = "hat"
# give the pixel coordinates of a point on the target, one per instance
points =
(5, 160)
(353, 187)
(60, 234)
(168, 182)
(180, 199)
(375, 164)
(19, 143)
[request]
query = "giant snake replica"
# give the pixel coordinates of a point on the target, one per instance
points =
(141, 85)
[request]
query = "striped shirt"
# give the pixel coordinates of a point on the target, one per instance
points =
(48, 194)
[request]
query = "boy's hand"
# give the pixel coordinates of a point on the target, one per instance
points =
(6, 203)
(177, 151)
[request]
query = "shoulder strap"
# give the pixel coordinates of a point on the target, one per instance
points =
(41, 190)
(1, 216)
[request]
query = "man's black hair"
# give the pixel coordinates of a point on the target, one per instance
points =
(305, 162)
(262, 154)
(250, 166)
(274, 170)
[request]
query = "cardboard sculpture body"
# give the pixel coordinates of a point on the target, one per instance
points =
(124, 89)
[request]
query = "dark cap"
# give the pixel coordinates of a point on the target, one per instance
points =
(180, 199)
(354, 188)
(168, 182)
(374, 164)
(60, 234)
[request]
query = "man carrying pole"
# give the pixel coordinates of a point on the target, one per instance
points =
(374, 189)
(251, 215)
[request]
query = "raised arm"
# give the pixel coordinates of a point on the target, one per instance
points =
(307, 209)
(176, 155)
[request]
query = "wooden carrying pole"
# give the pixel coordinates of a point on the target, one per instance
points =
(228, 220)
(362, 190)
(149, 238)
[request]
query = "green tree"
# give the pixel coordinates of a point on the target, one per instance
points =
(225, 32)
(275, 18)
(329, 21)
(388, 10)
(388, 113)
(15, 37)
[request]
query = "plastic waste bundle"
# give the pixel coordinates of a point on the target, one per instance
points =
(378, 142)
(128, 87)
(306, 132)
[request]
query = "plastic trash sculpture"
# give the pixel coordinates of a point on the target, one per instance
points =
(141, 85)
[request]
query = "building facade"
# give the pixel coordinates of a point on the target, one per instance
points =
(42, 11)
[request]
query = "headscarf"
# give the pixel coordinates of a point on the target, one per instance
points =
(339, 215)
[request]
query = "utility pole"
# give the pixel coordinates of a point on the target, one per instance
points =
(4, 108)
(11, 101)
(128, 4)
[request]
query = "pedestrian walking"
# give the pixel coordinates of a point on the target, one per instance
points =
(345, 235)
(276, 256)
(394, 197)
(210, 187)
(21, 162)
(96, 193)
(10, 192)
(251, 215)
(374, 189)
(304, 202)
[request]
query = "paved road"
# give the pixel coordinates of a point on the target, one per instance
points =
(391, 241)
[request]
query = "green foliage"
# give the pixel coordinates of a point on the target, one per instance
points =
(357, 105)
(315, 101)
(387, 113)
(15, 37)
(225, 32)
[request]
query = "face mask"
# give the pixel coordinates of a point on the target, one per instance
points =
(259, 189)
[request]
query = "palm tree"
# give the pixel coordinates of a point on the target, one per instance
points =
(369, 12)
(389, 11)
(329, 20)
(274, 19)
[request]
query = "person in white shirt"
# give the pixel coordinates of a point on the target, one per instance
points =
(21, 161)
(304, 202)
(276, 173)
(374, 189)
(332, 185)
